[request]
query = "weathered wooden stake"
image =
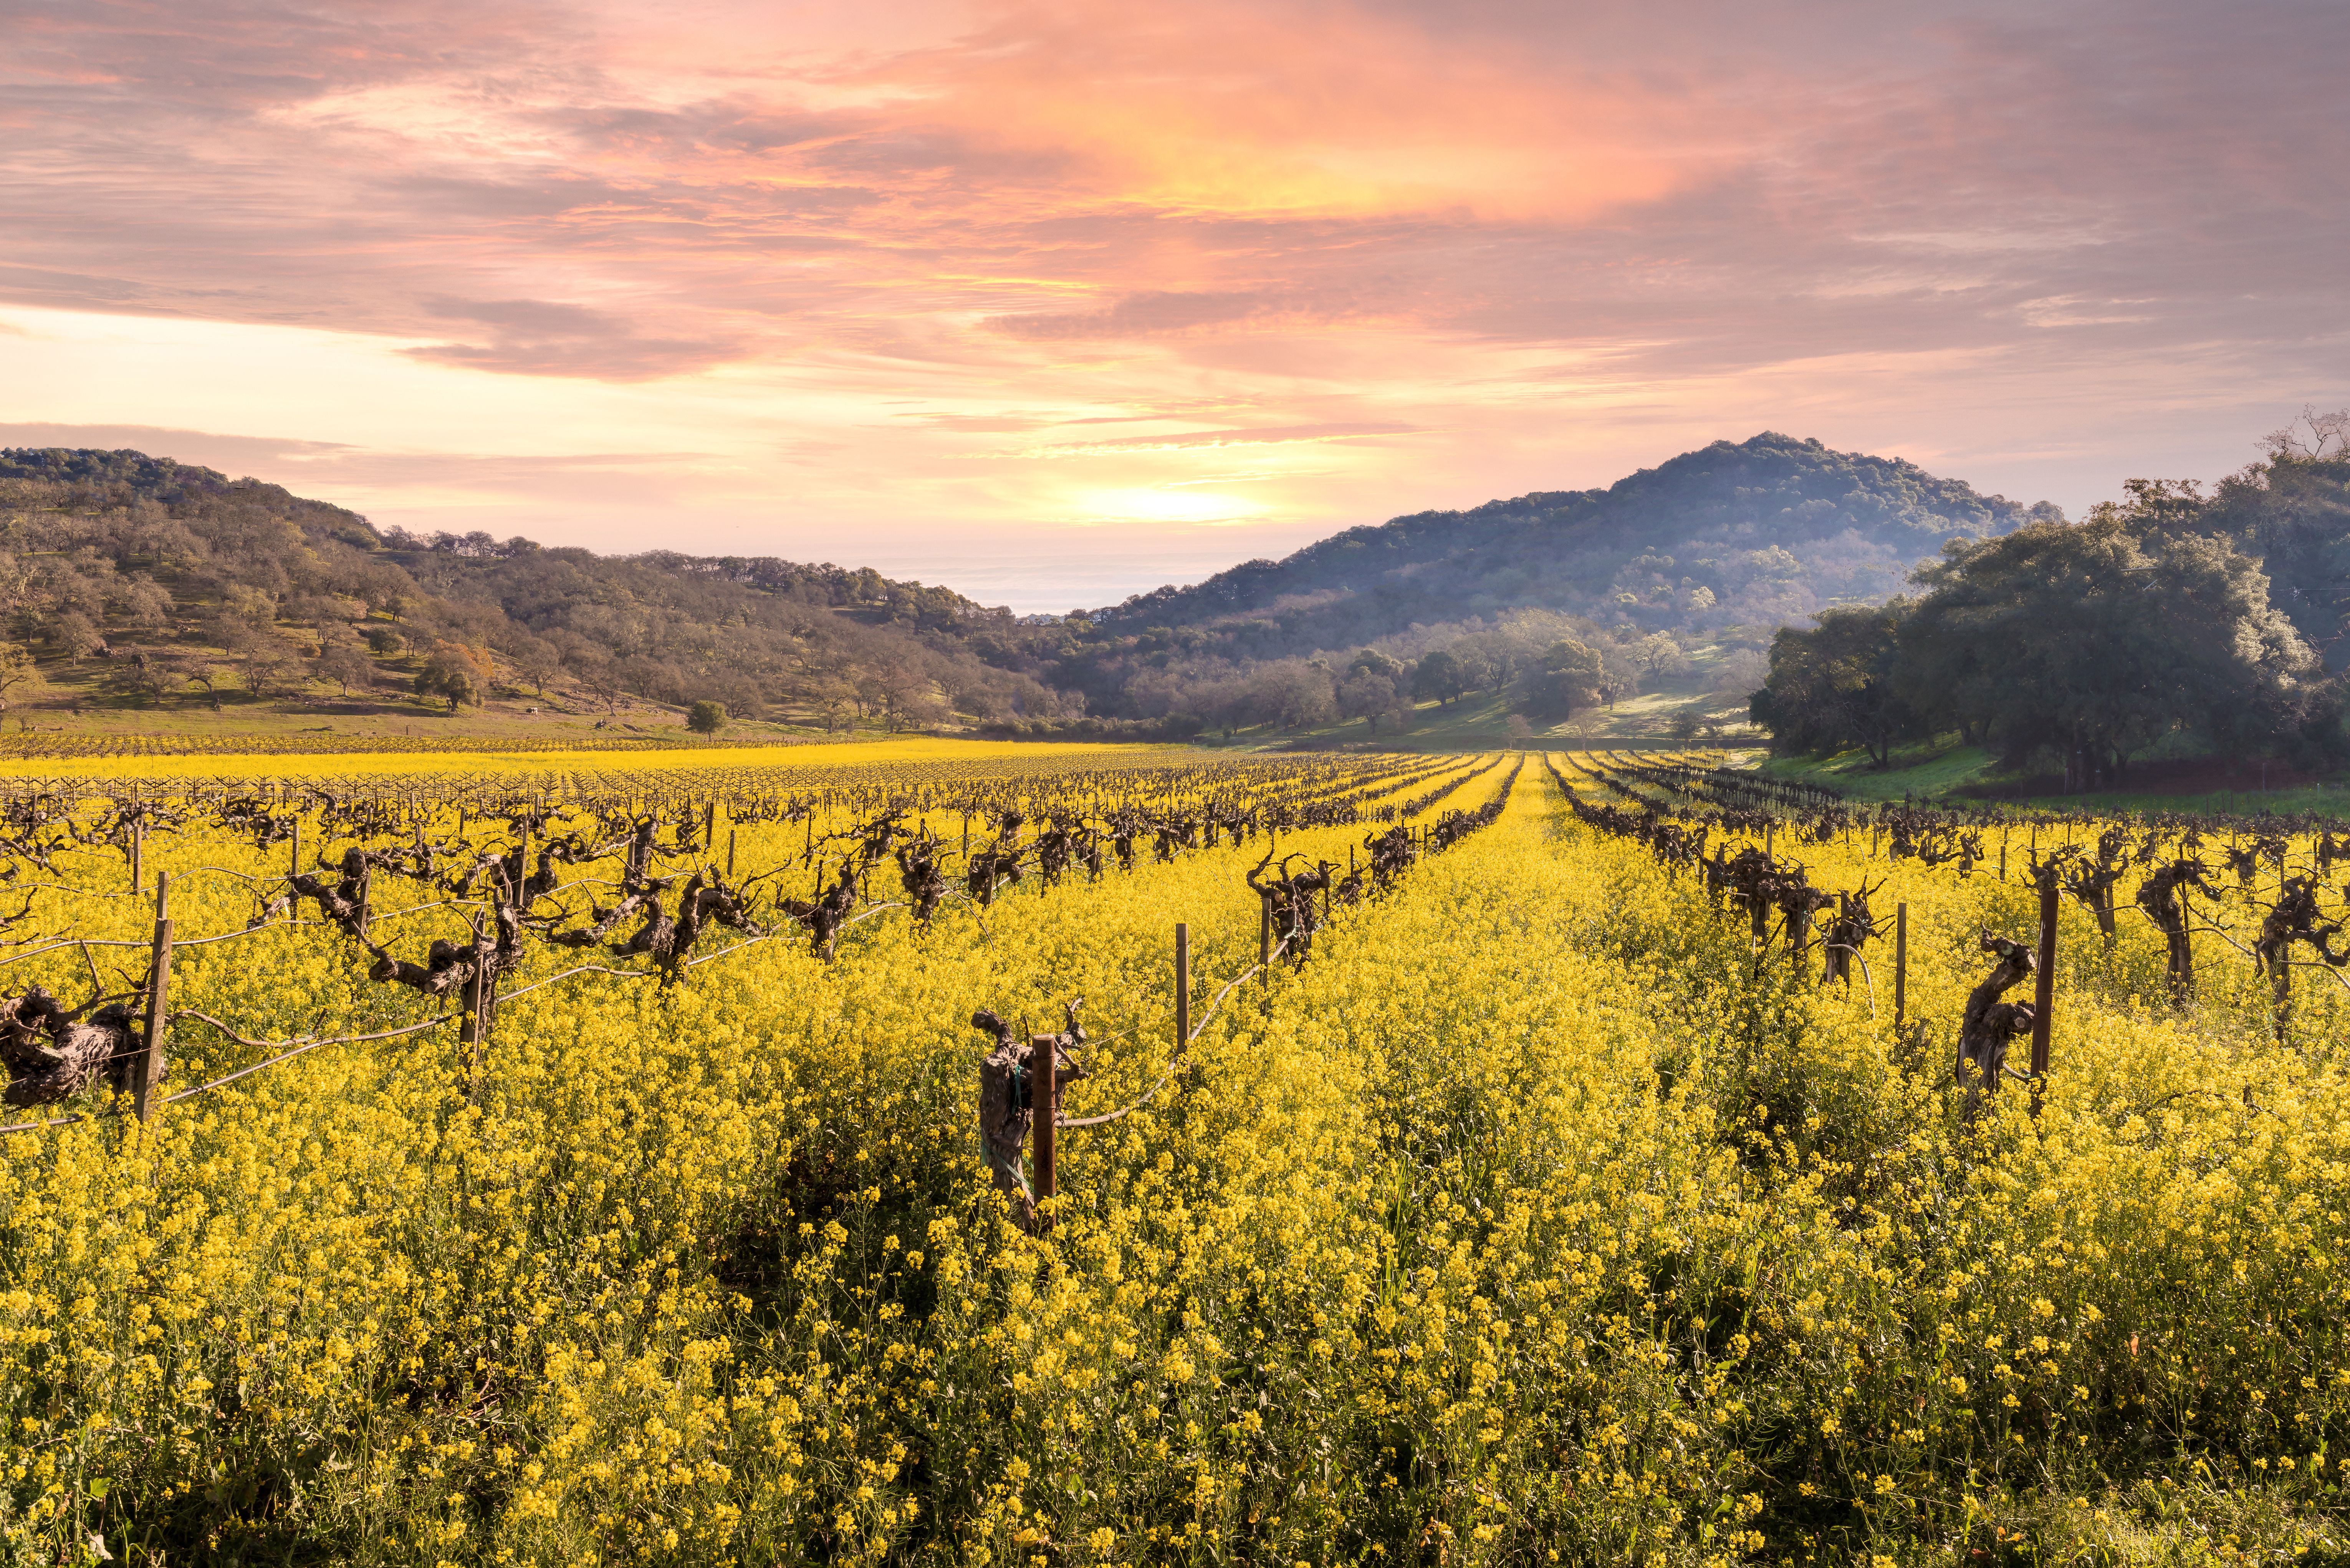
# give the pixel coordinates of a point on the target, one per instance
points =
(1900, 963)
(293, 851)
(730, 855)
(1264, 941)
(150, 1076)
(1041, 1097)
(1182, 986)
(709, 822)
(137, 855)
(469, 1030)
(2044, 990)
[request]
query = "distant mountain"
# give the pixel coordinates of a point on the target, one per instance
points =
(1755, 532)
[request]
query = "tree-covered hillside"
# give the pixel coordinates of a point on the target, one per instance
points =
(139, 581)
(146, 582)
(1760, 532)
(2169, 619)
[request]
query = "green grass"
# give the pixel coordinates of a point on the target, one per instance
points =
(1917, 770)
(70, 698)
(1928, 772)
(2328, 799)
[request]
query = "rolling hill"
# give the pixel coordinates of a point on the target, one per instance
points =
(137, 581)
(1759, 532)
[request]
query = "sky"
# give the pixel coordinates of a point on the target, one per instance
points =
(1055, 303)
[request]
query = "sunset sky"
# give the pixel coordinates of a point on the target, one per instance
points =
(1057, 302)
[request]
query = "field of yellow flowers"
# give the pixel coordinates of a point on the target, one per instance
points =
(1529, 1219)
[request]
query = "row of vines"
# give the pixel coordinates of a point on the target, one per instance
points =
(1539, 1174)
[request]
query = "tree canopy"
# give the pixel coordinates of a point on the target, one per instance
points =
(1836, 686)
(1571, 679)
(2293, 512)
(2088, 642)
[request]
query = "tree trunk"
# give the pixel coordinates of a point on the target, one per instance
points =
(1989, 1023)
(1006, 1118)
(2181, 964)
(50, 1060)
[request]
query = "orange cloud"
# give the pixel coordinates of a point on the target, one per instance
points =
(1265, 108)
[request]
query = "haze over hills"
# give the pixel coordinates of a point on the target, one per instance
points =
(239, 585)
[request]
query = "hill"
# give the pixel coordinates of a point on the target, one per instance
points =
(138, 583)
(1763, 531)
(1674, 578)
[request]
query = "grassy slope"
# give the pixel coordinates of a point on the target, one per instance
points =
(1918, 771)
(70, 697)
(1929, 771)
(1480, 721)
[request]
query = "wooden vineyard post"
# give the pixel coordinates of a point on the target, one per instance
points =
(1901, 964)
(294, 852)
(138, 853)
(2044, 990)
(150, 1076)
(1182, 986)
(468, 1031)
(1041, 1101)
(709, 822)
(1265, 942)
(730, 854)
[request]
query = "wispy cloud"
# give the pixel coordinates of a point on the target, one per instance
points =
(536, 337)
(1199, 440)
